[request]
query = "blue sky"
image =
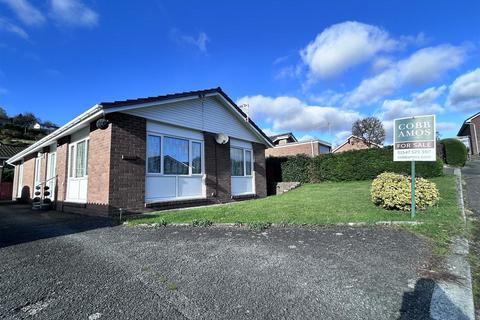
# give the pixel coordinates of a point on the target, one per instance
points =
(309, 67)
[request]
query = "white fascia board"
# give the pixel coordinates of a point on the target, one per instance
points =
(66, 129)
(302, 142)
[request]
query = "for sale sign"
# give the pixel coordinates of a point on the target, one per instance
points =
(414, 139)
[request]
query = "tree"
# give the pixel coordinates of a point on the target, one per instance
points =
(370, 129)
(25, 120)
(3, 113)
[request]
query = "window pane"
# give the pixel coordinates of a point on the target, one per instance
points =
(154, 154)
(175, 156)
(248, 162)
(72, 160)
(196, 157)
(236, 157)
(80, 160)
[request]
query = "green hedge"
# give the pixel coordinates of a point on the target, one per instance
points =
(455, 152)
(352, 165)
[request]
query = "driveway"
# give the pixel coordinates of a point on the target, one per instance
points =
(471, 175)
(61, 266)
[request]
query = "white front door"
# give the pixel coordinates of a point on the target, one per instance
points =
(51, 174)
(77, 171)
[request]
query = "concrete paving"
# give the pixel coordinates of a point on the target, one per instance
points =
(61, 266)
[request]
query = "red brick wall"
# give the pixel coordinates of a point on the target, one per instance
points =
(294, 149)
(259, 168)
(353, 144)
(28, 175)
(217, 169)
(475, 138)
(61, 171)
(99, 168)
(127, 176)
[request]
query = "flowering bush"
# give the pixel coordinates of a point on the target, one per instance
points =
(392, 191)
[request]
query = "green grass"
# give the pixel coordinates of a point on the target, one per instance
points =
(327, 203)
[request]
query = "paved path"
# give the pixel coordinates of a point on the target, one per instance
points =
(471, 175)
(60, 266)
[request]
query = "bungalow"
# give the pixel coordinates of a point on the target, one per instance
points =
(173, 150)
(354, 143)
(471, 130)
(286, 144)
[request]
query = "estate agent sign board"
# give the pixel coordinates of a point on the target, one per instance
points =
(414, 139)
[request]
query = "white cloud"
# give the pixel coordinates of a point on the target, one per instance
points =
(464, 92)
(73, 13)
(421, 103)
(423, 66)
(12, 28)
(447, 126)
(25, 11)
(430, 63)
(269, 132)
(199, 42)
(344, 45)
(291, 114)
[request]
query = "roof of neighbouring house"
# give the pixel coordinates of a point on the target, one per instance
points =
(283, 135)
(100, 109)
(466, 122)
(8, 150)
(355, 137)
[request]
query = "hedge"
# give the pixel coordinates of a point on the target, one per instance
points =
(456, 152)
(352, 165)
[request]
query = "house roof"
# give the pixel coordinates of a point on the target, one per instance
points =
(102, 108)
(466, 122)
(281, 135)
(9, 150)
(356, 137)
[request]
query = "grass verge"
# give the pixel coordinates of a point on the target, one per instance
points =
(328, 203)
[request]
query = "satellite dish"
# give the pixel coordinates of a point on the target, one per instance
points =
(221, 138)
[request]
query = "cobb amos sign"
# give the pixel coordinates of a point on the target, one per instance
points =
(414, 139)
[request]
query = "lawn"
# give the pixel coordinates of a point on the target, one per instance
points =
(327, 203)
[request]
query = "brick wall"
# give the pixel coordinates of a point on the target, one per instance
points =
(28, 176)
(308, 148)
(475, 138)
(259, 168)
(61, 172)
(99, 169)
(217, 169)
(353, 144)
(127, 175)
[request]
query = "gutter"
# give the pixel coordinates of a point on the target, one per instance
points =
(92, 113)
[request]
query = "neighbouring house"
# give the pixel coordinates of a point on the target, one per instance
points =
(7, 151)
(168, 151)
(354, 143)
(286, 144)
(471, 129)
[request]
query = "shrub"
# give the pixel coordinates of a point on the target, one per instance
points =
(259, 226)
(296, 168)
(352, 165)
(455, 152)
(393, 192)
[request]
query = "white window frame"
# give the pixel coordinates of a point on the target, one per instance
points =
(244, 161)
(72, 165)
(37, 170)
(190, 158)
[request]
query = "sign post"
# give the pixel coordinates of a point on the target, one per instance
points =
(414, 140)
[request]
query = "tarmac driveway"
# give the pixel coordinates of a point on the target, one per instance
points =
(62, 266)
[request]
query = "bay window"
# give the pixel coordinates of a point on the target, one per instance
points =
(168, 155)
